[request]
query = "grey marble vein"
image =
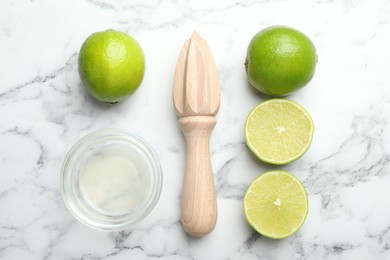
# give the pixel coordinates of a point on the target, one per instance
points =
(44, 110)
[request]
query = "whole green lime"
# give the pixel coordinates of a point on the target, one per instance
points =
(280, 60)
(111, 65)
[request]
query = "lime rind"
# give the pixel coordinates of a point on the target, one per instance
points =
(255, 226)
(111, 65)
(280, 60)
(270, 160)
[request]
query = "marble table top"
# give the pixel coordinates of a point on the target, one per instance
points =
(44, 110)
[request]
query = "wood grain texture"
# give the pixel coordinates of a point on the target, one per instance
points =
(198, 202)
(196, 96)
(196, 87)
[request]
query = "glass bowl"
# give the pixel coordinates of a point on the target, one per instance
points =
(111, 179)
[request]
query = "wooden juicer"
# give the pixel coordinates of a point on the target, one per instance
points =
(196, 96)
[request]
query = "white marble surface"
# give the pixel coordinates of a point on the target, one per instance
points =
(44, 111)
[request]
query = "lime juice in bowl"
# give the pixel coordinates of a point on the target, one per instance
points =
(111, 179)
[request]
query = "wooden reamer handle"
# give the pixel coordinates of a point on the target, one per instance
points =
(198, 202)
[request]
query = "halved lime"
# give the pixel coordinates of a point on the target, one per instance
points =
(276, 204)
(279, 131)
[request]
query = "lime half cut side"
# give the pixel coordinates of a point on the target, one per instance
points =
(279, 131)
(276, 204)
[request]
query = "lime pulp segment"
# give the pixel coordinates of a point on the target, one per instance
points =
(279, 131)
(276, 204)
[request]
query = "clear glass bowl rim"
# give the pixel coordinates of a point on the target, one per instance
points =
(93, 139)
